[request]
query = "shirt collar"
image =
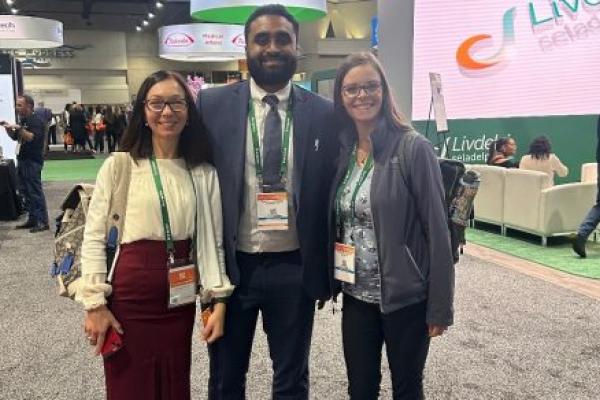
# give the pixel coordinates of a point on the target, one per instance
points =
(257, 93)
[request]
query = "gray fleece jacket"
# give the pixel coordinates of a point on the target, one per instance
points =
(410, 224)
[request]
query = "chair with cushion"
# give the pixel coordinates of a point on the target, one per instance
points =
(554, 211)
(589, 172)
(489, 202)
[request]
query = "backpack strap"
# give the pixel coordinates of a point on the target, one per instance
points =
(118, 200)
(117, 208)
(404, 152)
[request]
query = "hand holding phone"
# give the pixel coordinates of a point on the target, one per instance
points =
(112, 343)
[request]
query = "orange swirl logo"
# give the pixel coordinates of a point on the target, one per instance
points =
(465, 58)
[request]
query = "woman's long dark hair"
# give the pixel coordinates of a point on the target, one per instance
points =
(495, 148)
(540, 148)
(393, 118)
(194, 146)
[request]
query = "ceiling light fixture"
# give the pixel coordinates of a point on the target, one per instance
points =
(10, 2)
(145, 22)
(138, 28)
(150, 15)
(159, 4)
(14, 10)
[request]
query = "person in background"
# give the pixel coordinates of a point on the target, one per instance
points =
(52, 130)
(592, 218)
(88, 113)
(501, 153)
(29, 132)
(120, 125)
(110, 123)
(68, 135)
(389, 238)
(540, 158)
(78, 124)
(274, 149)
(99, 129)
(173, 217)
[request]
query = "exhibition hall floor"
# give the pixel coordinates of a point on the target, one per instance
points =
(519, 333)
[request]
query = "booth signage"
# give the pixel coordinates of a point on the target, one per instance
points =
(22, 32)
(202, 42)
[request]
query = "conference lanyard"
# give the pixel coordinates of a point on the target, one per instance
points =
(338, 198)
(285, 145)
(163, 210)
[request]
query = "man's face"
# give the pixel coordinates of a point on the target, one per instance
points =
(22, 107)
(271, 50)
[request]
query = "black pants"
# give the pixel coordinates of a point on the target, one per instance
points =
(111, 139)
(99, 141)
(404, 332)
(272, 284)
(52, 134)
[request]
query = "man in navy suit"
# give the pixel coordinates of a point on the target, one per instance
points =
(274, 148)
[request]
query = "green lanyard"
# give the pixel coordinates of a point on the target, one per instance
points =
(285, 146)
(163, 210)
(338, 197)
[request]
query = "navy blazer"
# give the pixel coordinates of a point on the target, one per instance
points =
(224, 111)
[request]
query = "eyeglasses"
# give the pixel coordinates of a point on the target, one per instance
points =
(158, 106)
(370, 88)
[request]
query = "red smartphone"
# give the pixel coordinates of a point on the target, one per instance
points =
(112, 343)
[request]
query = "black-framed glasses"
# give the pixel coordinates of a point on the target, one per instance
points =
(370, 88)
(157, 105)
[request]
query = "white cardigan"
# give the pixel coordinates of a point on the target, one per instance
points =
(143, 222)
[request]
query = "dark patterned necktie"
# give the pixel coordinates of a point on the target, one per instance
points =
(272, 146)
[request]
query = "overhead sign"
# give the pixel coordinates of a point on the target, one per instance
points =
(21, 32)
(238, 11)
(202, 42)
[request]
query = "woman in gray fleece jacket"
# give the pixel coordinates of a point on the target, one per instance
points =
(389, 237)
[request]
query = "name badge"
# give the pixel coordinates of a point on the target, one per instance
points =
(344, 263)
(182, 285)
(272, 211)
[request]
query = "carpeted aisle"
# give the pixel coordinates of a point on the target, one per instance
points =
(515, 337)
(71, 170)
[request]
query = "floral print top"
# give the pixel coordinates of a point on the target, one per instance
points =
(361, 234)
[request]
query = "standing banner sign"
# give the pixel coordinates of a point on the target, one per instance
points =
(437, 98)
(7, 104)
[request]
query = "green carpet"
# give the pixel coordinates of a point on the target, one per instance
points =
(71, 170)
(558, 254)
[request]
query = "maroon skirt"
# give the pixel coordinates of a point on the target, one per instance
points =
(154, 363)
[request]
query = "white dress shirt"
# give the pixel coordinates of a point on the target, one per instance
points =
(250, 239)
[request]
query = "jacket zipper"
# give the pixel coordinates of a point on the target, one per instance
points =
(377, 240)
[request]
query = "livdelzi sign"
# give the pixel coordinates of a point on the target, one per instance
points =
(202, 42)
(573, 138)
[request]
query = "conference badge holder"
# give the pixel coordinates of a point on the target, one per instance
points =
(344, 263)
(272, 211)
(182, 283)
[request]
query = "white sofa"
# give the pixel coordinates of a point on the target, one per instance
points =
(589, 172)
(526, 206)
(489, 202)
